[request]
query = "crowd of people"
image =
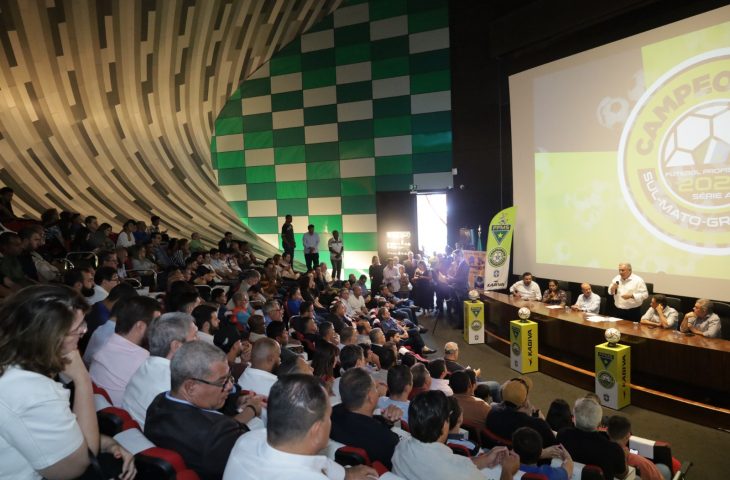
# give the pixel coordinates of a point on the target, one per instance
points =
(248, 368)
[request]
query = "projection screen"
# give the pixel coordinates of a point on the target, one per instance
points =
(622, 154)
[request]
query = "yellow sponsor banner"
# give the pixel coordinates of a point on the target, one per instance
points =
(613, 375)
(523, 346)
(474, 321)
(499, 245)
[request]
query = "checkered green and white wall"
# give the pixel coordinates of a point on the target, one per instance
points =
(360, 103)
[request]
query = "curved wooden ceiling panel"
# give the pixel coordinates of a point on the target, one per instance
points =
(107, 107)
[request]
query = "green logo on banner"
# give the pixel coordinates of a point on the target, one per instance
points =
(516, 349)
(476, 325)
(475, 311)
(516, 332)
(501, 229)
(606, 359)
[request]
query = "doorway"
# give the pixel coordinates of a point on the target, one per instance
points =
(432, 232)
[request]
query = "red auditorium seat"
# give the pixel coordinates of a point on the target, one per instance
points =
(490, 439)
(591, 472)
(113, 420)
(348, 456)
(459, 449)
(162, 464)
(534, 476)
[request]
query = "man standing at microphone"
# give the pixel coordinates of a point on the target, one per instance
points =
(629, 292)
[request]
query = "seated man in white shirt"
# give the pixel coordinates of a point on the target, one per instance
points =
(526, 289)
(701, 320)
(165, 334)
(587, 301)
(437, 369)
(425, 454)
(265, 359)
(357, 301)
(297, 430)
(114, 364)
(659, 314)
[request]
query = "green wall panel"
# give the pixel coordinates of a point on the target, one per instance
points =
(351, 110)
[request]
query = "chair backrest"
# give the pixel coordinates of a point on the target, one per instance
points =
(113, 420)
(591, 472)
(676, 304)
(491, 439)
(600, 290)
(459, 449)
(602, 308)
(162, 464)
(534, 476)
(350, 456)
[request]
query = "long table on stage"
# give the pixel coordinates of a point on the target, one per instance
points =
(683, 376)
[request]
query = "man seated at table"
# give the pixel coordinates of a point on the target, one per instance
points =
(701, 320)
(526, 289)
(587, 301)
(659, 314)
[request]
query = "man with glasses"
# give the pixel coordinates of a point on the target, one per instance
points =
(105, 279)
(516, 411)
(186, 419)
(273, 312)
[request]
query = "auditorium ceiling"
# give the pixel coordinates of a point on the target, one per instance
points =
(107, 107)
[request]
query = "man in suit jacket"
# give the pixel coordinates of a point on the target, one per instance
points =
(186, 419)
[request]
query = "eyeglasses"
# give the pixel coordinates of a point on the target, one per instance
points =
(229, 379)
(80, 330)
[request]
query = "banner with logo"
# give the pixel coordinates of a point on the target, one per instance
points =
(476, 261)
(523, 356)
(499, 245)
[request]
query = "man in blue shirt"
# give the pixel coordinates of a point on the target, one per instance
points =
(527, 443)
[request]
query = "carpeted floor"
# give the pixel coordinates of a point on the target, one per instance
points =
(708, 449)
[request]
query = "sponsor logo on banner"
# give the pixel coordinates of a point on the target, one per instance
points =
(475, 310)
(501, 229)
(516, 349)
(476, 325)
(516, 332)
(674, 156)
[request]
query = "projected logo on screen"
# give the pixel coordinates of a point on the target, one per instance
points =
(674, 156)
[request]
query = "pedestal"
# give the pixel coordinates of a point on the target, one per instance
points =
(474, 321)
(523, 350)
(613, 375)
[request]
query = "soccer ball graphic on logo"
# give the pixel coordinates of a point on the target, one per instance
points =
(613, 336)
(694, 148)
(524, 313)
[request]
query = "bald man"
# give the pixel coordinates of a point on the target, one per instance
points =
(629, 292)
(265, 361)
(587, 301)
